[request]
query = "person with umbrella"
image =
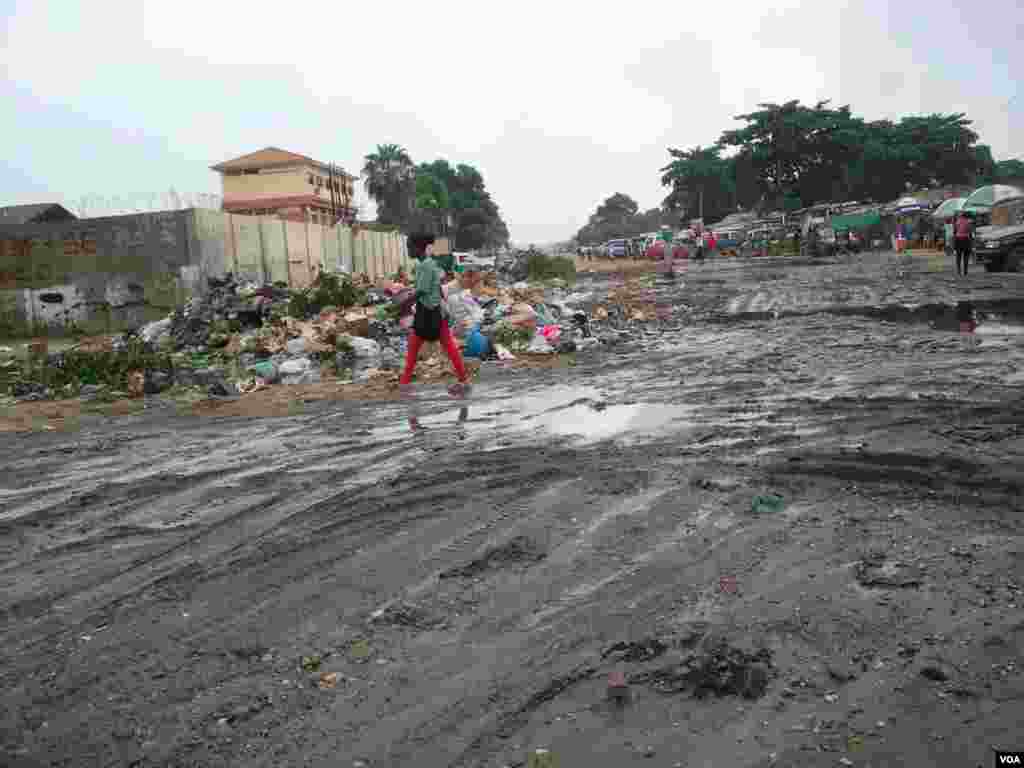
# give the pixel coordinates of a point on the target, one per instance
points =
(963, 239)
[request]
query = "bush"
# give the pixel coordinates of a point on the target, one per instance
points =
(110, 369)
(328, 290)
(540, 266)
(511, 336)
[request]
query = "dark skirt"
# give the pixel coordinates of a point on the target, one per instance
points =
(427, 323)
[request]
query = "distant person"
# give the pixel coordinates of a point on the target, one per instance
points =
(430, 324)
(963, 234)
(947, 235)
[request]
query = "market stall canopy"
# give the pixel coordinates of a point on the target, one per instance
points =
(856, 221)
(909, 205)
(949, 207)
(983, 198)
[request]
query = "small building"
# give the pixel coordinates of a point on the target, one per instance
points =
(37, 213)
(275, 182)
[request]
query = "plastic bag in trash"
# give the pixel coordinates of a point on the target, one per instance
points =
(477, 344)
(266, 370)
(364, 347)
(539, 345)
(296, 366)
(551, 333)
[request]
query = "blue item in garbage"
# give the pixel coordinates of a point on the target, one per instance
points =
(476, 344)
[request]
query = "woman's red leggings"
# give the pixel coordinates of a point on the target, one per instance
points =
(447, 341)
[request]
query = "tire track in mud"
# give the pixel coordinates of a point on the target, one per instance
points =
(219, 538)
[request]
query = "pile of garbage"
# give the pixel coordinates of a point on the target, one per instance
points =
(238, 338)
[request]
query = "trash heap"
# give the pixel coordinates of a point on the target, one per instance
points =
(239, 338)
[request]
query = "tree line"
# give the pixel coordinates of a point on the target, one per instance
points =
(407, 195)
(620, 216)
(789, 156)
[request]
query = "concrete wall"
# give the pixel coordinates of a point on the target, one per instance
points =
(119, 272)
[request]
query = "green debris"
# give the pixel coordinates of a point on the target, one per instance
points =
(311, 663)
(360, 650)
(328, 290)
(511, 336)
(541, 267)
(767, 504)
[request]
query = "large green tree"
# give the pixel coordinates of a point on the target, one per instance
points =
(1009, 170)
(459, 191)
(620, 216)
(390, 180)
(702, 183)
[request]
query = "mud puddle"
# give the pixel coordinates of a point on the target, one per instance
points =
(578, 415)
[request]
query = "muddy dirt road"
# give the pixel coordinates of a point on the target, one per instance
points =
(334, 588)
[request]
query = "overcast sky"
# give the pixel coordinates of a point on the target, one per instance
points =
(559, 104)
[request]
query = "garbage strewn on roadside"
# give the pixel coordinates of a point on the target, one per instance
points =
(241, 338)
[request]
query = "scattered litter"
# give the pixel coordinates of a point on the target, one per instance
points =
(767, 504)
(328, 680)
(727, 584)
(360, 650)
(541, 758)
(311, 663)
(618, 688)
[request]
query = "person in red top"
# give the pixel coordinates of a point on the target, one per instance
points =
(963, 236)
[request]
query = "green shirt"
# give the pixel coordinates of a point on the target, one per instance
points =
(428, 283)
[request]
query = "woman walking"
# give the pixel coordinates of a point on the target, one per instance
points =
(430, 323)
(963, 235)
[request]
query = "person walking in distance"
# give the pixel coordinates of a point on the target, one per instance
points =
(963, 234)
(430, 324)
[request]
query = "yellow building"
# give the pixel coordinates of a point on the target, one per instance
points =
(273, 181)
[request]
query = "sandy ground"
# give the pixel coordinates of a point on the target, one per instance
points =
(468, 586)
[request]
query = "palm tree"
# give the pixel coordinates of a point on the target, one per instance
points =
(390, 179)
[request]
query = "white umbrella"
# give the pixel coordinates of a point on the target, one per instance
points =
(984, 198)
(949, 207)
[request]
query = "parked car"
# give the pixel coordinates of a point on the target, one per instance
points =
(617, 249)
(476, 259)
(1001, 247)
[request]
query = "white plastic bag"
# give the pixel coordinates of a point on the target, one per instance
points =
(364, 347)
(539, 345)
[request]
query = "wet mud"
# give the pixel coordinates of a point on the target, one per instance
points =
(471, 585)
